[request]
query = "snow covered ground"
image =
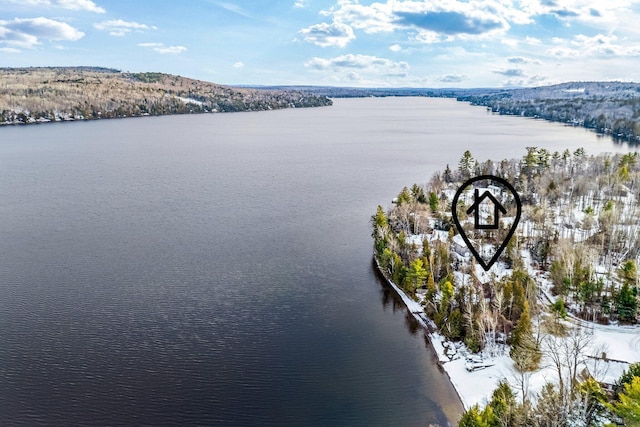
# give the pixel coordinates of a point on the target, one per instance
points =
(476, 387)
(620, 343)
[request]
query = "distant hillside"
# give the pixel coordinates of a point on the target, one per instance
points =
(33, 95)
(611, 108)
(607, 107)
(360, 92)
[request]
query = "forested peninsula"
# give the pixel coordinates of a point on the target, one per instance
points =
(548, 336)
(48, 94)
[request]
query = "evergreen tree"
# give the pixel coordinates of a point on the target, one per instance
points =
(628, 273)
(524, 350)
(523, 328)
(385, 259)
(466, 165)
(627, 377)
(418, 194)
(518, 301)
(404, 196)
(453, 325)
(591, 407)
(550, 410)
(529, 162)
(379, 220)
(433, 202)
(558, 309)
(627, 406)
(448, 175)
(398, 269)
(380, 230)
(503, 403)
(626, 303)
(416, 275)
(472, 418)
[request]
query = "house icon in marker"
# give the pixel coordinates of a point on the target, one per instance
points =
(476, 207)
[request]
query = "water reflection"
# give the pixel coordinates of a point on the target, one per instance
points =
(451, 405)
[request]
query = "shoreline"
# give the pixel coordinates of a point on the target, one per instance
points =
(621, 343)
(48, 121)
(428, 328)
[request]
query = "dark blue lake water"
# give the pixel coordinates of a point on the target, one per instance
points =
(216, 269)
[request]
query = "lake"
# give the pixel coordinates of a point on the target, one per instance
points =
(216, 269)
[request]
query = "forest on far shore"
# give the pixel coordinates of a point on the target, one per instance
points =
(610, 108)
(37, 95)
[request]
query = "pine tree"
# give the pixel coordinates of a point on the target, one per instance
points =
(472, 418)
(466, 165)
(448, 175)
(453, 325)
(433, 202)
(380, 230)
(404, 196)
(558, 309)
(503, 404)
(416, 275)
(418, 194)
(626, 303)
(524, 350)
(628, 405)
(591, 407)
(379, 220)
(550, 409)
(627, 377)
(519, 300)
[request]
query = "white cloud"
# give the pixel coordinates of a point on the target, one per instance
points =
(363, 70)
(446, 21)
(85, 5)
(325, 35)
(161, 48)
(598, 45)
(395, 48)
(452, 78)
(427, 37)
(371, 19)
(522, 60)
(363, 62)
(27, 32)
(353, 76)
(119, 27)
(601, 44)
(173, 50)
(355, 61)
(9, 50)
(563, 52)
(233, 8)
(300, 4)
(238, 64)
(510, 72)
(532, 41)
(432, 18)
(513, 43)
(587, 11)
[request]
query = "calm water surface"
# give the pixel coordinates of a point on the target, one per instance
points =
(216, 269)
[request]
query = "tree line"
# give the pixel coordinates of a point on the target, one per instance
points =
(32, 95)
(611, 108)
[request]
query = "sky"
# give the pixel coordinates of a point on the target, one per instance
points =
(385, 43)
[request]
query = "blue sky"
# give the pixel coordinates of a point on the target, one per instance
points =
(385, 43)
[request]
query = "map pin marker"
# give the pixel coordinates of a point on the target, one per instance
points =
(484, 206)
